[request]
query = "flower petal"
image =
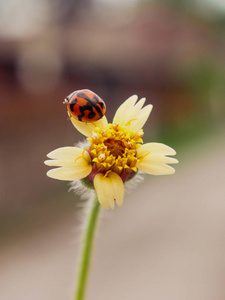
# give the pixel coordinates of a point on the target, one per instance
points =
(70, 173)
(74, 163)
(160, 158)
(141, 118)
(155, 148)
(67, 153)
(77, 162)
(155, 168)
(140, 103)
(134, 110)
(124, 111)
(109, 189)
(87, 128)
(131, 114)
(152, 159)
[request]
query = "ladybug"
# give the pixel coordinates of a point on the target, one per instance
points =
(85, 106)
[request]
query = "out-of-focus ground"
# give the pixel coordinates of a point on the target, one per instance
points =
(167, 241)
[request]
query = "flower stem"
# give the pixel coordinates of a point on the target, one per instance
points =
(86, 250)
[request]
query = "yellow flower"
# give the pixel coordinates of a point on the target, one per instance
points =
(114, 154)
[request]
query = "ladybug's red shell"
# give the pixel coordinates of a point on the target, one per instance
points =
(85, 106)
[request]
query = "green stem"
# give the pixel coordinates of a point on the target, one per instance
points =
(86, 250)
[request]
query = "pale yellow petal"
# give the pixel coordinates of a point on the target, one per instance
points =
(65, 153)
(118, 188)
(109, 189)
(131, 114)
(57, 163)
(155, 168)
(152, 159)
(76, 162)
(160, 159)
(70, 173)
(87, 128)
(141, 118)
(68, 156)
(134, 110)
(102, 190)
(123, 113)
(138, 106)
(155, 148)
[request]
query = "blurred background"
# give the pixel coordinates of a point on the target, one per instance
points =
(167, 241)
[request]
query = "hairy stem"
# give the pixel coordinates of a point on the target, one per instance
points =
(86, 251)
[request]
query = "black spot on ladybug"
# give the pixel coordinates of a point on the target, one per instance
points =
(73, 103)
(101, 104)
(83, 108)
(91, 115)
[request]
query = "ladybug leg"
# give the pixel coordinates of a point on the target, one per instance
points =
(70, 116)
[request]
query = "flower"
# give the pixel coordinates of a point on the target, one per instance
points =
(114, 154)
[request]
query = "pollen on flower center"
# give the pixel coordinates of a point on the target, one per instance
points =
(114, 148)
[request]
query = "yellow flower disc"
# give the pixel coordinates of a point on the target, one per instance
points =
(114, 148)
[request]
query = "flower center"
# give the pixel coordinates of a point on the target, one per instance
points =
(114, 149)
